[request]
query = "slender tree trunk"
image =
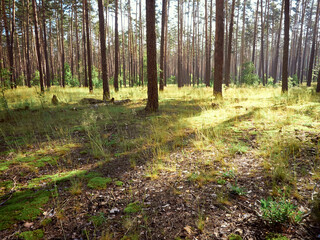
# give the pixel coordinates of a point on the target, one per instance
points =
(228, 60)
(218, 53)
(207, 69)
(84, 43)
(255, 34)
(77, 44)
(9, 38)
(37, 43)
(152, 104)
(28, 49)
(262, 47)
(162, 46)
(315, 34)
(116, 51)
(286, 46)
(88, 46)
(242, 38)
(48, 75)
(123, 52)
(106, 91)
(275, 62)
(62, 46)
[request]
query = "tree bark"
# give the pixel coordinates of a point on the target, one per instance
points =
(106, 91)
(116, 50)
(88, 46)
(62, 46)
(315, 34)
(37, 43)
(218, 53)
(48, 75)
(286, 46)
(228, 60)
(162, 44)
(84, 43)
(152, 104)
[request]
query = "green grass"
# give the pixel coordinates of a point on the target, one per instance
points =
(23, 206)
(99, 183)
(32, 235)
(72, 141)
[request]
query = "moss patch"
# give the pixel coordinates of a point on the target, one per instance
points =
(32, 235)
(99, 182)
(23, 206)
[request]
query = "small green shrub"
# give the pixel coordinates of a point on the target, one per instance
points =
(280, 210)
(235, 189)
(276, 236)
(98, 219)
(99, 183)
(32, 235)
(133, 207)
(233, 236)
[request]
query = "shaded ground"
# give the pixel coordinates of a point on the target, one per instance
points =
(113, 172)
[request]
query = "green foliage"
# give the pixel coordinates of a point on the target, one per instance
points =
(276, 236)
(5, 76)
(235, 189)
(99, 183)
(96, 81)
(293, 81)
(35, 81)
(248, 75)
(23, 206)
(133, 207)
(70, 80)
(32, 235)
(233, 236)
(118, 183)
(98, 219)
(280, 210)
(229, 174)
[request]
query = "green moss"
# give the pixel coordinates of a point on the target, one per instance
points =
(91, 175)
(118, 183)
(233, 236)
(99, 182)
(46, 221)
(276, 236)
(32, 235)
(59, 177)
(98, 219)
(133, 207)
(23, 206)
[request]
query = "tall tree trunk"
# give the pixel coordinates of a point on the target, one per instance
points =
(275, 62)
(37, 43)
(262, 47)
(207, 49)
(242, 38)
(48, 75)
(255, 34)
(180, 25)
(162, 44)
(152, 104)
(28, 49)
(228, 60)
(77, 44)
(286, 46)
(218, 49)
(88, 46)
(106, 91)
(116, 51)
(84, 43)
(315, 34)
(62, 46)
(9, 38)
(123, 52)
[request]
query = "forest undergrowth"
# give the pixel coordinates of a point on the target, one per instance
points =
(245, 167)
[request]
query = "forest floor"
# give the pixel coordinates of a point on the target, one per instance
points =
(246, 167)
